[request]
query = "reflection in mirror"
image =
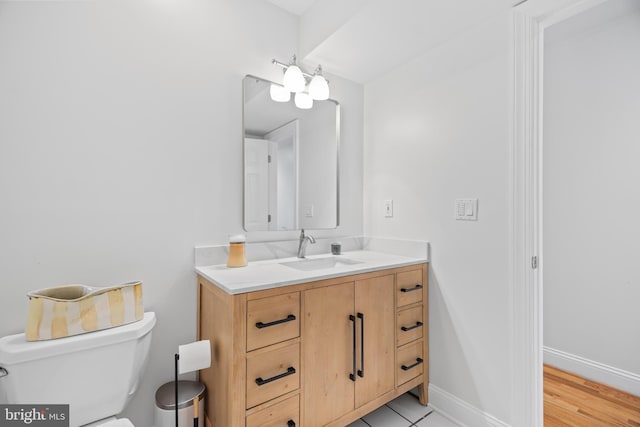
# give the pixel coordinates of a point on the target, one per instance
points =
(290, 161)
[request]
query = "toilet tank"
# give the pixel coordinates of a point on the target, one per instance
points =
(95, 373)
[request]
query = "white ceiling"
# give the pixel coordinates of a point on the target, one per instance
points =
(590, 20)
(297, 7)
(383, 34)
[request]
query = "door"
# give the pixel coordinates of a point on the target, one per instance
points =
(284, 176)
(375, 312)
(256, 184)
(328, 353)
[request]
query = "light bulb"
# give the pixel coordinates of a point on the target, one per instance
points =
(303, 101)
(293, 79)
(279, 94)
(319, 88)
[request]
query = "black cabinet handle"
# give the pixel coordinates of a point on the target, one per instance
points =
(290, 371)
(352, 375)
(361, 371)
(411, 289)
(408, 328)
(291, 423)
(289, 318)
(406, 368)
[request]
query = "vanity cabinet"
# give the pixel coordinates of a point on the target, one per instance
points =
(322, 353)
(349, 333)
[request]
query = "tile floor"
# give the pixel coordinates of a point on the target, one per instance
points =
(404, 411)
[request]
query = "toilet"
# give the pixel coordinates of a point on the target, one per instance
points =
(96, 373)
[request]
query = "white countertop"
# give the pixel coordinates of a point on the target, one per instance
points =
(260, 275)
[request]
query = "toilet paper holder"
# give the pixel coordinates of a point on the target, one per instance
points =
(195, 356)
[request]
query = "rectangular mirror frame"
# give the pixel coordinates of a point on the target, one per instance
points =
(338, 143)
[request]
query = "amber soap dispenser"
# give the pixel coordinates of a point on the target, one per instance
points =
(237, 258)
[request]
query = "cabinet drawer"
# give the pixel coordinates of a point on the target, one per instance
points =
(283, 414)
(409, 287)
(272, 320)
(272, 373)
(410, 362)
(410, 325)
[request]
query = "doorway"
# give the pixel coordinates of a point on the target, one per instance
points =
(531, 19)
(589, 179)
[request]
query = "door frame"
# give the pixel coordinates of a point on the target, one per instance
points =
(529, 20)
(292, 129)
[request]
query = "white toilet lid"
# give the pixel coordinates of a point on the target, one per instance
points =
(121, 422)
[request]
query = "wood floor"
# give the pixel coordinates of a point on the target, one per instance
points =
(570, 400)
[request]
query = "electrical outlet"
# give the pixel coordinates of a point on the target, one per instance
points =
(308, 212)
(388, 208)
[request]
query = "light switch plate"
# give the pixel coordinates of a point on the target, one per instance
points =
(466, 210)
(388, 208)
(308, 211)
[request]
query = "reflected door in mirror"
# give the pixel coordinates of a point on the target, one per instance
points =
(256, 184)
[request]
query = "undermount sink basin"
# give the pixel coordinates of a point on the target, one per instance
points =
(320, 263)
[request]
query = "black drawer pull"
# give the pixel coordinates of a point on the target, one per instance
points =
(290, 371)
(361, 371)
(408, 328)
(352, 375)
(406, 368)
(289, 318)
(411, 289)
(291, 423)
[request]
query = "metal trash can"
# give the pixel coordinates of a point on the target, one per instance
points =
(188, 392)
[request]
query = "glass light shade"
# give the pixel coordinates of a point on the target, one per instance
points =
(319, 88)
(293, 79)
(279, 94)
(303, 101)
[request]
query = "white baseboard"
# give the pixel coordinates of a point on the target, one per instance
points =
(594, 371)
(460, 411)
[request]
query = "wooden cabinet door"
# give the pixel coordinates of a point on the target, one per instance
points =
(375, 310)
(327, 341)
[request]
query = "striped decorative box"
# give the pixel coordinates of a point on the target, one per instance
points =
(68, 310)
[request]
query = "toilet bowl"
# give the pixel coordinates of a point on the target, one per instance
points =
(96, 373)
(112, 422)
(123, 422)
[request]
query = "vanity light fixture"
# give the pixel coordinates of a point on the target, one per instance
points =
(296, 80)
(303, 101)
(279, 93)
(293, 79)
(319, 86)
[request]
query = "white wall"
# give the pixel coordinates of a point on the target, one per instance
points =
(436, 129)
(286, 185)
(591, 176)
(317, 167)
(121, 145)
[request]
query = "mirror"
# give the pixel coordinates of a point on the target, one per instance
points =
(290, 161)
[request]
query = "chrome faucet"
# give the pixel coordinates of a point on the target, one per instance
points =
(304, 240)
